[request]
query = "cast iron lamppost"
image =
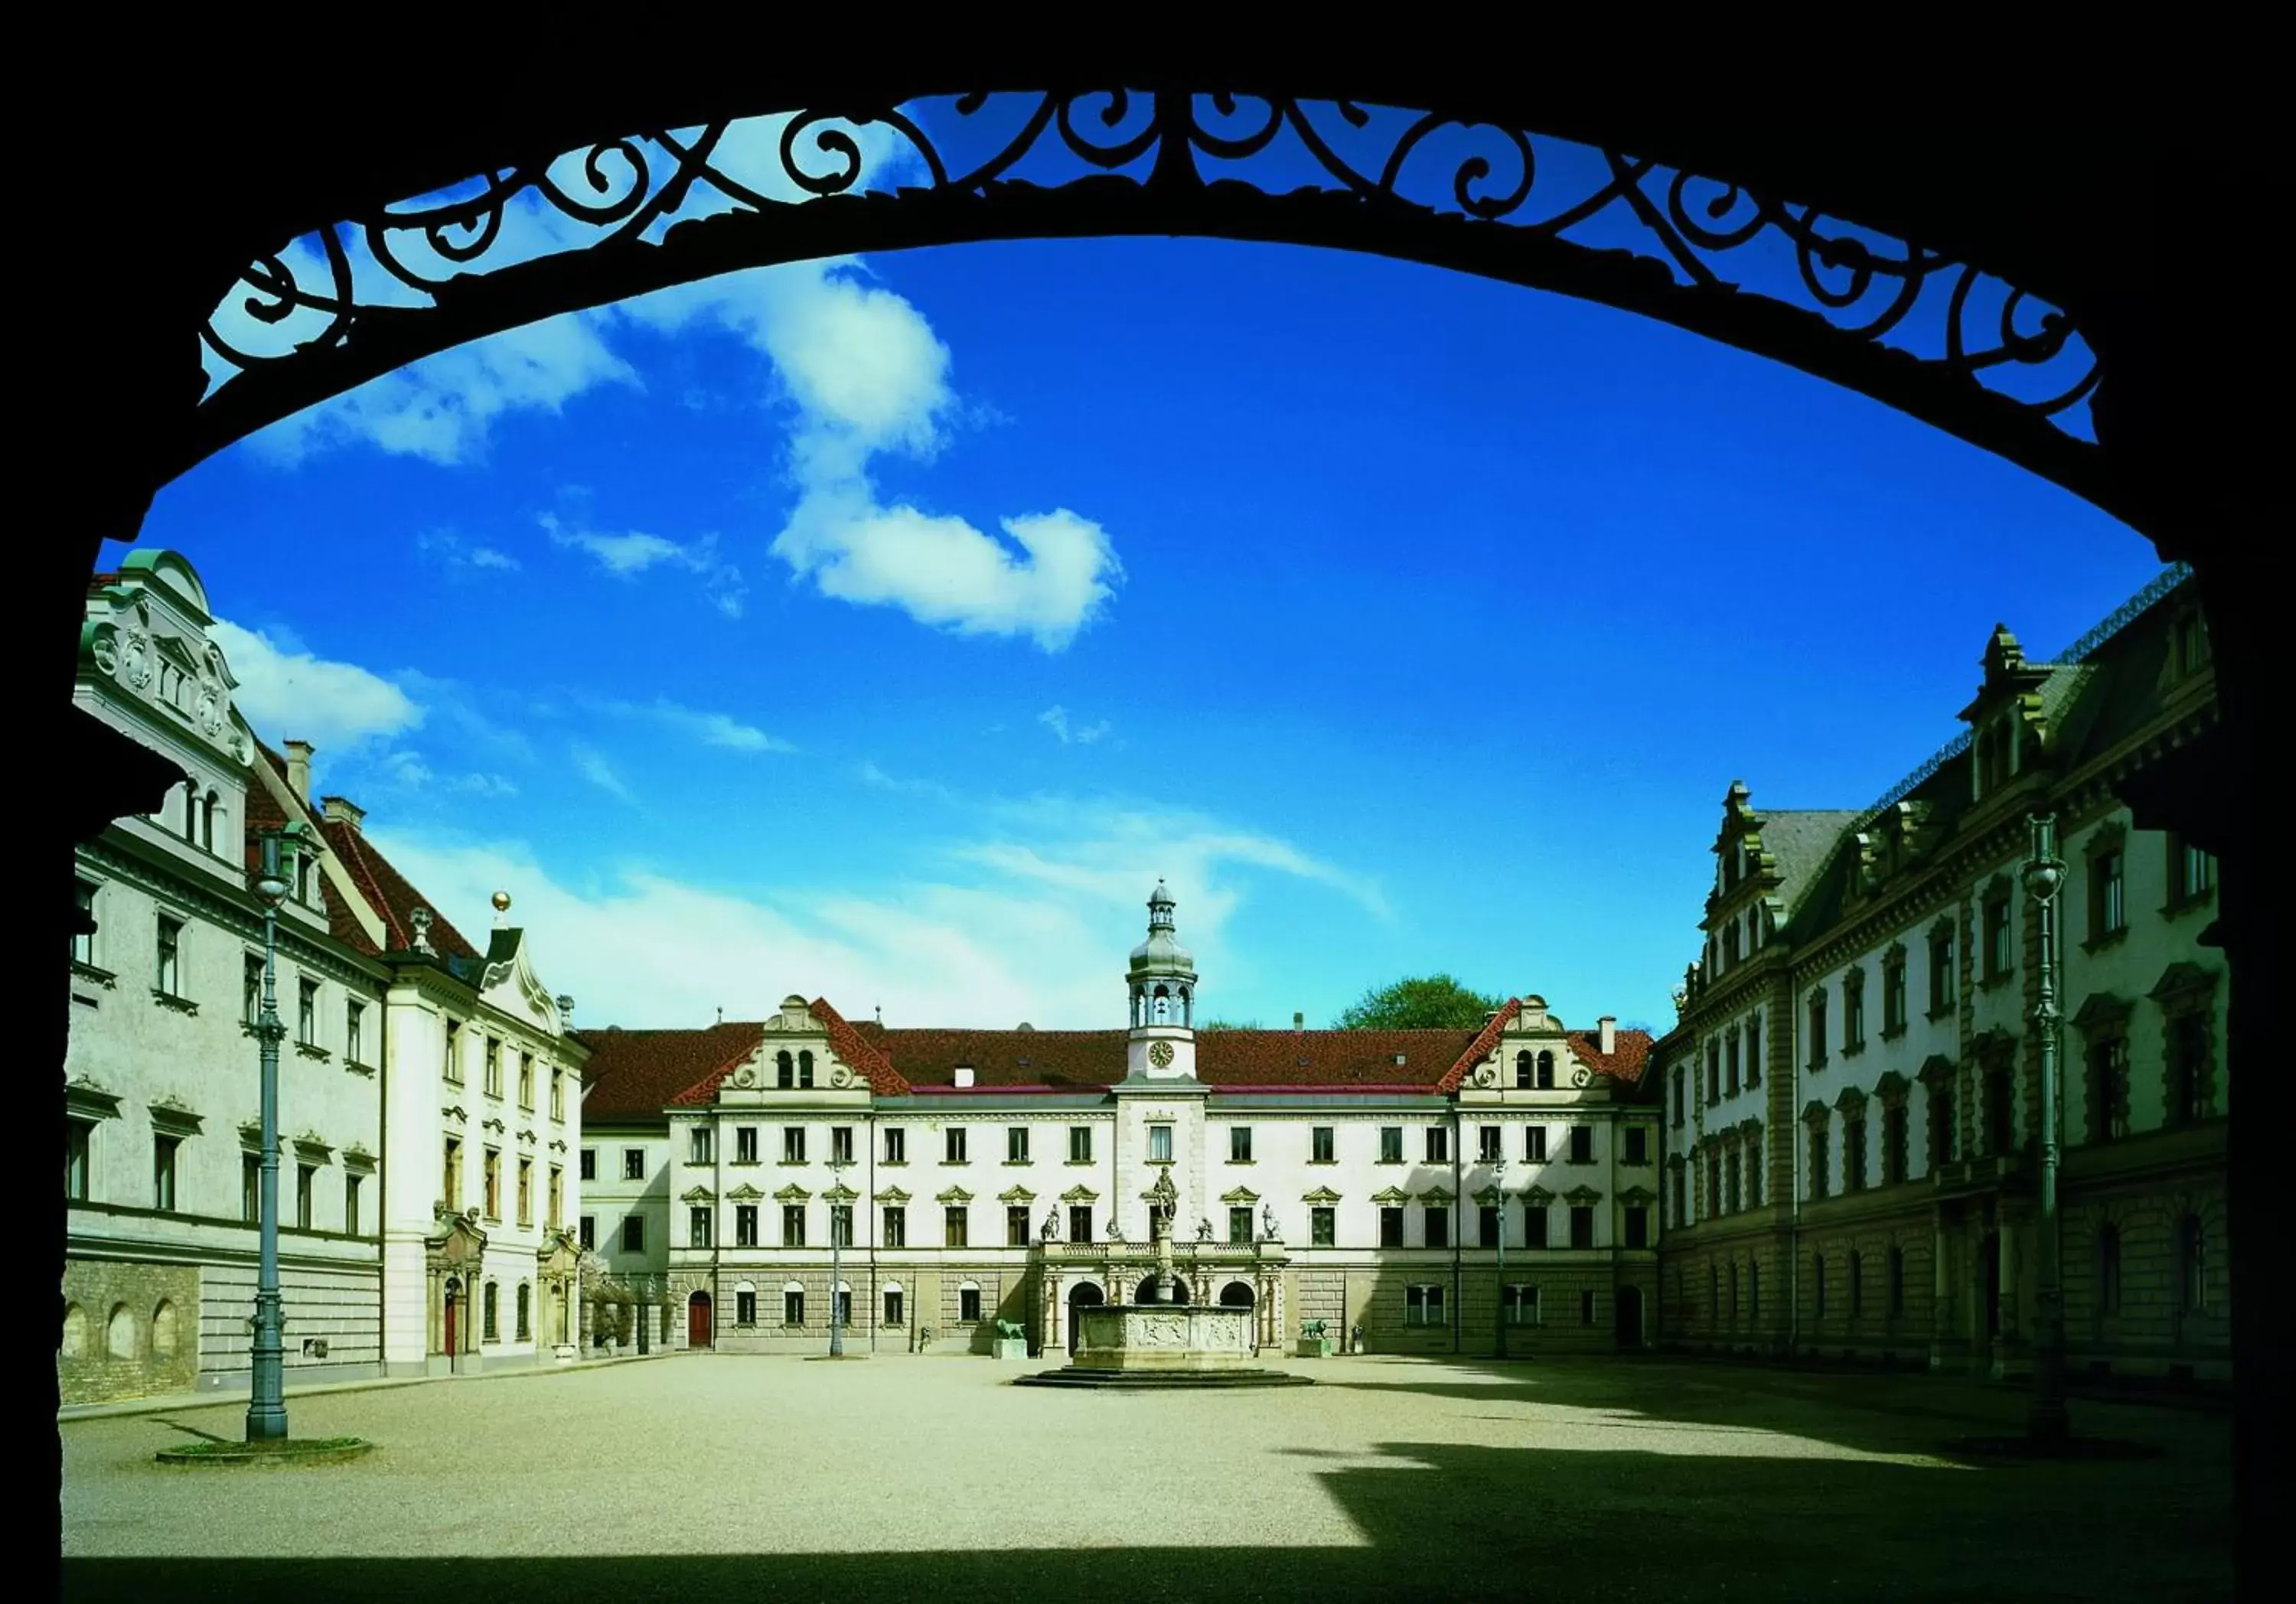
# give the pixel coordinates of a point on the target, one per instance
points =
(1498, 1194)
(837, 1233)
(266, 1407)
(2045, 875)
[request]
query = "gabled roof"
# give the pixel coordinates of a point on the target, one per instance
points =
(633, 1074)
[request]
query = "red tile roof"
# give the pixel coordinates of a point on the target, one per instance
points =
(633, 1074)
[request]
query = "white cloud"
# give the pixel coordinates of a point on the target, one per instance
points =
(627, 555)
(1055, 719)
(451, 552)
(591, 763)
(286, 692)
(710, 729)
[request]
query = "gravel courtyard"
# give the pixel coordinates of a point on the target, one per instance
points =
(689, 1475)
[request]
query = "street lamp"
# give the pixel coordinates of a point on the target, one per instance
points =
(1498, 1190)
(266, 1407)
(836, 1257)
(2043, 876)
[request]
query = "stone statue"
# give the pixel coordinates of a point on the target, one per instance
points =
(1203, 1231)
(1313, 1331)
(1052, 1224)
(1115, 1228)
(1010, 1330)
(1164, 1194)
(1267, 1230)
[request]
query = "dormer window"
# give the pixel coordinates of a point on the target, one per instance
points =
(1730, 945)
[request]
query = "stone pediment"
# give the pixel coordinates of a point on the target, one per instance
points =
(1438, 1195)
(357, 1159)
(1079, 1194)
(2183, 979)
(839, 1194)
(1750, 1130)
(792, 1193)
(560, 1255)
(1393, 1196)
(1582, 1197)
(1815, 1112)
(954, 1194)
(1322, 1195)
(1852, 1101)
(1490, 1196)
(1016, 1194)
(892, 1194)
(1937, 1069)
(2101, 1011)
(744, 1193)
(89, 1100)
(170, 1115)
(461, 1244)
(1892, 1088)
(698, 1194)
(454, 1114)
(1637, 1197)
(1240, 1195)
(1538, 1196)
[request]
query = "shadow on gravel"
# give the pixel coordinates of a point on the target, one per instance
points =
(1461, 1522)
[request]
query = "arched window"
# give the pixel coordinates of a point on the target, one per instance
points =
(75, 1338)
(491, 1327)
(1730, 947)
(1522, 1070)
(2192, 1264)
(207, 821)
(784, 1071)
(1545, 1071)
(2108, 1270)
(1161, 1013)
(793, 1303)
(163, 1330)
(525, 1311)
(119, 1333)
(805, 1071)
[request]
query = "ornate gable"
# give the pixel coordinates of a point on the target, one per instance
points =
(1239, 1195)
(1323, 1196)
(1016, 1194)
(1393, 1196)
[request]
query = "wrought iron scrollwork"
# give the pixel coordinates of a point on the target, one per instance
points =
(1428, 186)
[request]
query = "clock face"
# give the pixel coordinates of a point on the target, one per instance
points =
(1160, 1055)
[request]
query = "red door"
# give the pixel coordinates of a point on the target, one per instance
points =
(697, 1321)
(454, 1309)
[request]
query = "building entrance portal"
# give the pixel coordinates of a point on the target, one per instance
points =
(697, 1321)
(1084, 1295)
(1630, 1318)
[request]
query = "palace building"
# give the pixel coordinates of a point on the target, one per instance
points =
(430, 1092)
(1851, 1094)
(944, 1180)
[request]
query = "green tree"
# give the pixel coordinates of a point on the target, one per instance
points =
(1422, 1003)
(1229, 1025)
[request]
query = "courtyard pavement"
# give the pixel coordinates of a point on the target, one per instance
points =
(706, 1476)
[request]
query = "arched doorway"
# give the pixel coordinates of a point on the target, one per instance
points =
(1084, 1295)
(452, 1343)
(1146, 1292)
(1630, 1318)
(697, 1321)
(1238, 1295)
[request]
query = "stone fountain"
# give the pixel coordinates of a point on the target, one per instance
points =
(1160, 1343)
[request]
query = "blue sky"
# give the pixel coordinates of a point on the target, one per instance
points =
(885, 630)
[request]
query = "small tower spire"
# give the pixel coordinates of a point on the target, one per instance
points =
(1161, 980)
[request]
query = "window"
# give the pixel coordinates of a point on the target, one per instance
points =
(1637, 1225)
(745, 1304)
(1856, 1283)
(1998, 959)
(1582, 1144)
(840, 1224)
(558, 1094)
(793, 1144)
(1942, 972)
(167, 975)
(164, 1148)
(1390, 1226)
(2000, 1108)
(700, 1224)
(1730, 1181)
(840, 1144)
(633, 1234)
(1423, 1305)
(588, 1167)
(892, 1306)
(792, 1224)
(2192, 874)
(745, 1144)
(2108, 1270)
(351, 1202)
(968, 1305)
(1680, 1188)
(1436, 1219)
(1818, 1179)
(1713, 1072)
(451, 1174)
(2108, 1089)
(805, 1071)
(1853, 1011)
(1438, 1144)
(587, 1232)
(1523, 1071)
(1546, 1072)
(525, 1080)
(355, 1042)
(1081, 1223)
(1323, 1226)
(494, 1068)
(1896, 1292)
(526, 1192)
(1079, 1144)
(896, 1225)
(1487, 1225)
(1487, 1150)
(1238, 1144)
(1239, 1224)
(1534, 1224)
(1582, 1225)
(954, 1232)
(1894, 1145)
(1159, 1144)
(697, 1145)
(2108, 910)
(493, 1176)
(1730, 1065)
(1016, 1149)
(2191, 1266)
(1390, 1144)
(1853, 1154)
(1585, 1308)
(1893, 995)
(896, 1145)
(784, 1073)
(1321, 1145)
(250, 990)
(794, 1305)
(1943, 1135)
(1016, 1226)
(1816, 1028)
(78, 1136)
(2188, 1067)
(953, 1145)
(1754, 1052)
(1817, 1282)
(1637, 1144)
(745, 1225)
(1534, 1141)
(82, 940)
(451, 1066)
(1520, 1305)
(307, 1183)
(492, 1323)
(250, 1188)
(1754, 1289)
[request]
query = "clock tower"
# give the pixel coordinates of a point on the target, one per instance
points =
(1162, 982)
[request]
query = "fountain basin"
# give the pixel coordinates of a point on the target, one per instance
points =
(1163, 1336)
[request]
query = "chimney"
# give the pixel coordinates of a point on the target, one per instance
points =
(343, 811)
(1606, 1033)
(963, 1074)
(299, 769)
(1298, 1021)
